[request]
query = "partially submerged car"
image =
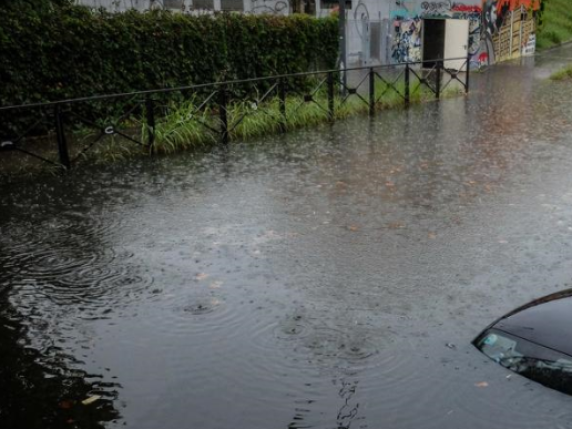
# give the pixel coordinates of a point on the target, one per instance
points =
(535, 341)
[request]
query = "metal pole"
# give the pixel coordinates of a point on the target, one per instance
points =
(223, 114)
(468, 74)
(407, 86)
(150, 113)
(343, 46)
(438, 79)
(522, 22)
(282, 97)
(371, 92)
(331, 106)
(61, 137)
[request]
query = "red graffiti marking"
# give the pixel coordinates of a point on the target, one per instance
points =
(466, 8)
(484, 58)
(515, 4)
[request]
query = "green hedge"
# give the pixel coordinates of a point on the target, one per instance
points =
(555, 23)
(57, 52)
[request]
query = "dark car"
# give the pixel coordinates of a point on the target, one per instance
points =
(535, 341)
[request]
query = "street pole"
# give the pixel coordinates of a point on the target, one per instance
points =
(342, 31)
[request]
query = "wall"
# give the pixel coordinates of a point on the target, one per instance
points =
(406, 19)
(489, 20)
(509, 27)
(117, 5)
(275, 7)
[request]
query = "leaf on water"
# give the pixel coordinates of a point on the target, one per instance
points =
(396, 225)
(201, 276)
(482, 384)
(216, 285)
(91, 400)
(66, 405)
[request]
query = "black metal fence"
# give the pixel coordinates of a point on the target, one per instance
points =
(118, 115)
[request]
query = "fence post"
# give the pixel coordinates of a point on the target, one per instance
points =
(407, 86)
(371, 92)
(468, 74)
(61, 137)
(282, 97)
(150, 113)
(438, 80)
(331, 107)
(222, 104)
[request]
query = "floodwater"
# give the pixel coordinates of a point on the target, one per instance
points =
(329, 278)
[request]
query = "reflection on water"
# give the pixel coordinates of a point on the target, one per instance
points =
(329, 278)
(45, 388)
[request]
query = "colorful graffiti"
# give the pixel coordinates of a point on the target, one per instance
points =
(407, 24)
(406, 45)
(486, 18)
(448, 9)
(495, 11)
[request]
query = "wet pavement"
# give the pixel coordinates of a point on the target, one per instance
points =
(329, 278)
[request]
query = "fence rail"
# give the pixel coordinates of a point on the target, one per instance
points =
(214, 106)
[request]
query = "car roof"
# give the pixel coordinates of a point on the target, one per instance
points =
(546, 321)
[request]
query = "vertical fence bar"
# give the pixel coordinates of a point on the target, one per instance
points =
(468, 74)
(222, 105)
(438, 79)
(61, 137)
(150, 114)
(407, 86)
(371, 92)
(522, 22)
(331, 107)
(282, 97)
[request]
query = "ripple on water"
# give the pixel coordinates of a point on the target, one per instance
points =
(299, 341)
(507, 398)
(68, 274)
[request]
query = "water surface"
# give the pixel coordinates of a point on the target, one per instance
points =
(329, 278)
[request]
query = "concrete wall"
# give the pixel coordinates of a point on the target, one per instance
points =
(117, 5)
(280, 7)
(399, 24)
(492, 27)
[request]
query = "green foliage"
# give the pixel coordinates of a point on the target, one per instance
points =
(555, 24)
(52, 51)
(563, 74)
(180, 130)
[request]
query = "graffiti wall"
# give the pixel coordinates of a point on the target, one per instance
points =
(406, 45)
(275, 7)
(489, 38)
(509, 27)
(407, 21)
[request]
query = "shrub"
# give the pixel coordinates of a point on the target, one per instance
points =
(59, 51)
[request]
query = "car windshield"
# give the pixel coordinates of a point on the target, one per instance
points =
(546, 366)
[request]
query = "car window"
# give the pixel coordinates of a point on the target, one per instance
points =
(541, 364)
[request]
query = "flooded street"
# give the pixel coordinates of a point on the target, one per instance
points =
(328, 278)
